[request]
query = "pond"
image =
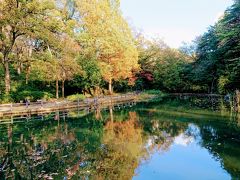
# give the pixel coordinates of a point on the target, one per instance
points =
(168, 139)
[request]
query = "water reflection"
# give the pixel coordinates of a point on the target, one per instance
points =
(117, 143)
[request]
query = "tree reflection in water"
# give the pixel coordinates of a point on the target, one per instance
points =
(112, 144)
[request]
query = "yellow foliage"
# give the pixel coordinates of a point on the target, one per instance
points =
(106, 34)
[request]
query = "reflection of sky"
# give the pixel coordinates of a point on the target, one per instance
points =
(184, 160)
(192, 134)
(183, 140)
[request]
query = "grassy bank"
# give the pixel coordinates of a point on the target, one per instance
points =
(151, 95)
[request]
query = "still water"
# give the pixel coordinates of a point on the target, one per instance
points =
(170, 139)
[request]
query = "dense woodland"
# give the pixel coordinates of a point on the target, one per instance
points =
(54, 48)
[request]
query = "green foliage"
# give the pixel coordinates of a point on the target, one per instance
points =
(218, 64)
(31, 95)
(222, 82)
(5, 99)
(162, 67)
(76, 97)
(91, 76)
(121, 86)
(169, 76)
(34, 95)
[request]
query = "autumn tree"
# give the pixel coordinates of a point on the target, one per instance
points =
(106, 35)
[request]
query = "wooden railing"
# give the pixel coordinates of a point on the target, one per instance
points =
(63, 113)
(43, 106)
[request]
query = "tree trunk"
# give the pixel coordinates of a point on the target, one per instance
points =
(29, 65)
(63, 88)
(237, 100)
(212, 84)
(110, 88)
(57, 89)
(19, 68)
(89, 91)
(28, 74)
(7, 77)
(6, 64)
(97, 91)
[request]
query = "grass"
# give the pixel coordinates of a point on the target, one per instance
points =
(75, 97)
(151, 95)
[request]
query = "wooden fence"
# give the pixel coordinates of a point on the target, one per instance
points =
(42, 107)
(62, 114)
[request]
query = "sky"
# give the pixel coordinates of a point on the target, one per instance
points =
(175, 21)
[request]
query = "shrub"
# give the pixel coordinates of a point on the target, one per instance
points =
(31, 95)
(5, 99)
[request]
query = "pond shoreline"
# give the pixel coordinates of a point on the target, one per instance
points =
(15, 109)
(196, 95)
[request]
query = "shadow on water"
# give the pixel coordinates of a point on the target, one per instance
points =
(118, 142)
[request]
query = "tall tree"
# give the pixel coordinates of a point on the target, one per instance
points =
(107, 36)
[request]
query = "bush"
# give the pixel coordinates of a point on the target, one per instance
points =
(31, 95)
(222, 82)
(75, 97)
(5, 99)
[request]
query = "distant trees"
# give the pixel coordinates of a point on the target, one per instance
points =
(162, 67)
(210, 65)
(218, 54)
